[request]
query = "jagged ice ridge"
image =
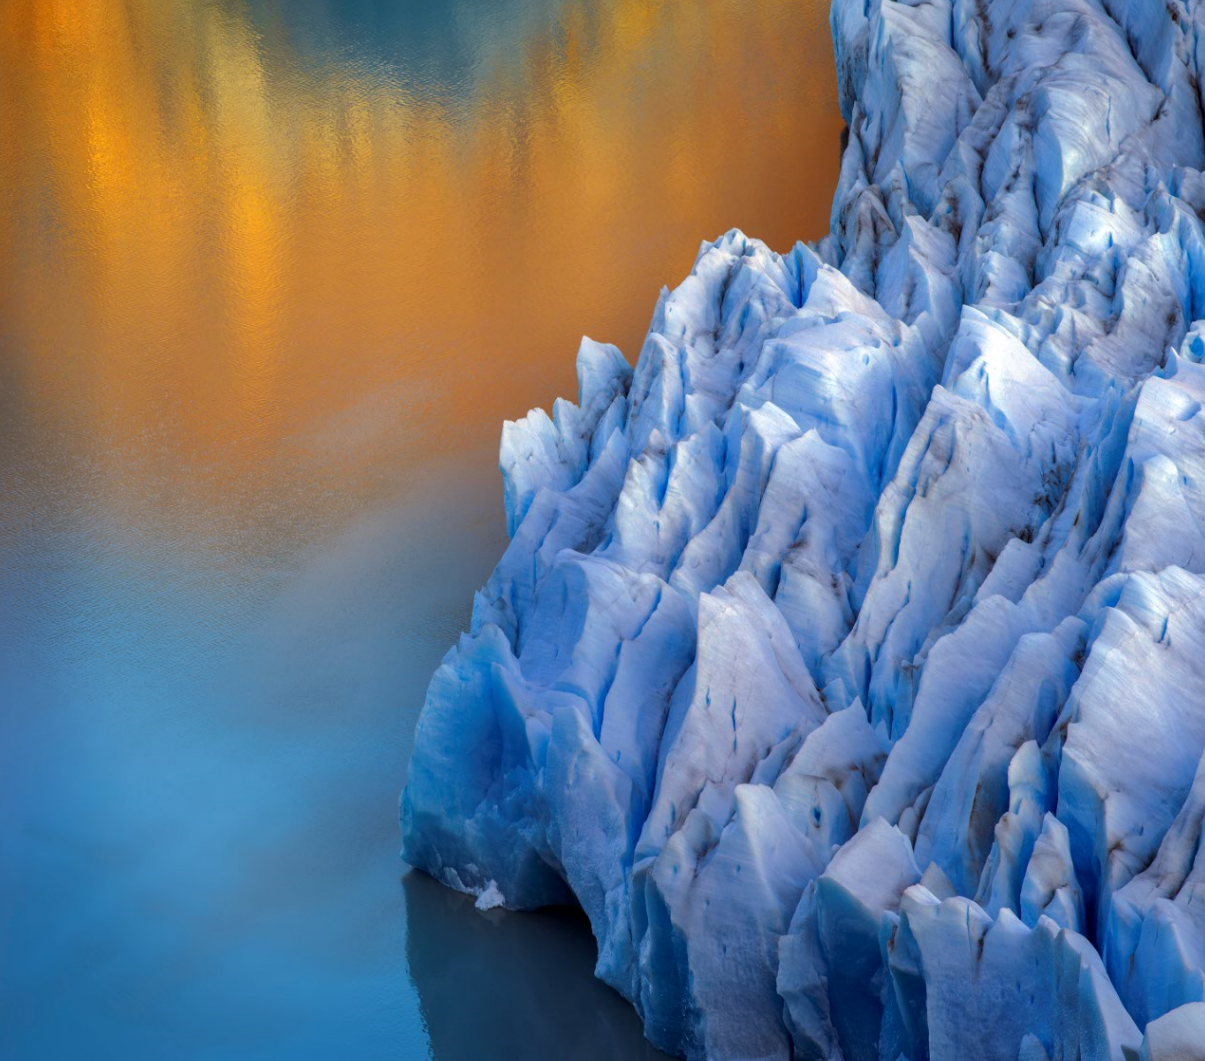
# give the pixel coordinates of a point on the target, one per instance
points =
(847, 662)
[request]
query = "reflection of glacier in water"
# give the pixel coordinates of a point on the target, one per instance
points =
(456, 953)
(275, 270)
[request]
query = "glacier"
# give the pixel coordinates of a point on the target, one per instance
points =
(847, 661)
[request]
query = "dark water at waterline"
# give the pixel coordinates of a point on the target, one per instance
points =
(272, 275)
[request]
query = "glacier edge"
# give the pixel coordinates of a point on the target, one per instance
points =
(847, 661)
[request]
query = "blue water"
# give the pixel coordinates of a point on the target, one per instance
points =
(242, 514)
(202, 844)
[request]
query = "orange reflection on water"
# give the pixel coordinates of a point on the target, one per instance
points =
(249, 281)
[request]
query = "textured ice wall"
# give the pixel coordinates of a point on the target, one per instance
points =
(847, 663)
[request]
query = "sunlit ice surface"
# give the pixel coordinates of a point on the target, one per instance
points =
(271, 275)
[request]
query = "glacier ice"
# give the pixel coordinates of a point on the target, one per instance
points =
(847, 661)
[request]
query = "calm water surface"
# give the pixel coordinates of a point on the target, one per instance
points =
(272, 272)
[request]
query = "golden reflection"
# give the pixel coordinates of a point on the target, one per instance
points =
(219, 242)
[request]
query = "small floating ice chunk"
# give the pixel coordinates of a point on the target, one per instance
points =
(490, 897)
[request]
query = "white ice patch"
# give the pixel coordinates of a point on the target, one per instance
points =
(490, 897)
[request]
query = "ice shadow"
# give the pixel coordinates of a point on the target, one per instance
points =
(522, 983)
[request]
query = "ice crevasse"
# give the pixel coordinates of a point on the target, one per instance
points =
(847, 660)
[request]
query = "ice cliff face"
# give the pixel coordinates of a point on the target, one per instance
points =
(847, 663)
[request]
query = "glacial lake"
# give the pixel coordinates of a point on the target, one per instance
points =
(273, 273)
